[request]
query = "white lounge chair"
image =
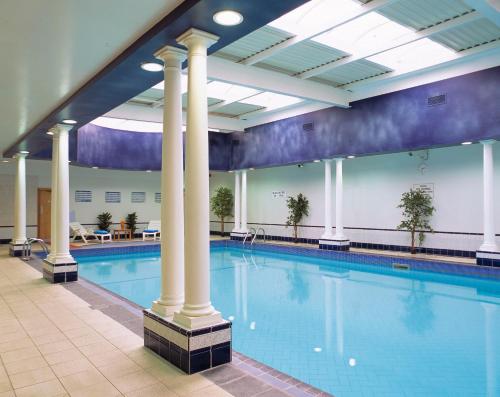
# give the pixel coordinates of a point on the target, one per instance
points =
(79, 231)
(153, 230)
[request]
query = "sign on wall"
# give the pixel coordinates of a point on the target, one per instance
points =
(113, 197)
(279, 194)
(427, 188)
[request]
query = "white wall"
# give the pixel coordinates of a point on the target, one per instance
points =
(372, 190)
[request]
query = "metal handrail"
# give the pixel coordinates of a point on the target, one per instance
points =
(250, 232)
(257, 233)
(27, 247)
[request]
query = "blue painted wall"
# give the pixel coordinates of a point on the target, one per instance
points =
(110, 148)
(394, 122)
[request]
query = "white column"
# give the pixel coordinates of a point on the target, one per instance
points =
(328, 201)
(244, 227)
(61, 188)
(339, 222)
(20, 201)
(237, 202)
(197, 310)
(489, 243)
(172, 188)
(53, 197)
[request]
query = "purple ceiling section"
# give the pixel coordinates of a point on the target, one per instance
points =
(443, 113)
(123, 78)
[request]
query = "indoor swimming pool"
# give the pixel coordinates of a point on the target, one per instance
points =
(347, 328)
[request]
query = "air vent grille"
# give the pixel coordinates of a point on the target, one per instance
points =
(308, 127)
(436, 100)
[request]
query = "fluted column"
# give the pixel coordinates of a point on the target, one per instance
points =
(53, 198)
(20, 200)
(489, 243)
(197, 310)
(339, 204)
(172, 187)
(327, 234)
(237, 202)
(244, 226)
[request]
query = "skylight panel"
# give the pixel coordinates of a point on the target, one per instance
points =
(184, 84)
(229, 92)
(271, 101)
(368, 33)
(413, 56)
(316, 16)
(128, 125)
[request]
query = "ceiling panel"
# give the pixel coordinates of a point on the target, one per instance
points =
(422, 14)
(351, 72)
(469, 35)
(301, 57)
(253, 43)
(236, 109)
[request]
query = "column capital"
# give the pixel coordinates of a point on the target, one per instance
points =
(195, 36)
(19, 155)
(58, 128)
(326, 160)
(488, 141)
(171, 55)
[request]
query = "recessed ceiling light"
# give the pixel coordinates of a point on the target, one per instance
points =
(95, 168)
(148, 170)
(49, 133)
(5, 161)
(230, 171)
(251, 169)
(317, 161)
(69, 161)
(69, 121)
(351, 156)
(228, 18)
(24, 152)
(151, 67)
(467, 143)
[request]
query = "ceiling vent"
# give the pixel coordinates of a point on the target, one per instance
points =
(436, 100)
(308, 127)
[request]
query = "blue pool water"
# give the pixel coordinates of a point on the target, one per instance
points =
(348, 329)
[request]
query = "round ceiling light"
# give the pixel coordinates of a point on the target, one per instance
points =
(151, 67)
(69, 121)
(228, 18)
(351, 156)
(49, 133)
(24, 152)
(467, 143)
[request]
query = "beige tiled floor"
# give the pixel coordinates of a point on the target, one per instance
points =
(53, 344)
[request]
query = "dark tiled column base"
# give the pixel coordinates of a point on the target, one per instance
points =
(17, 250)
(237, 236)
(485, 258)
(334, 245)
(189, 350)
(61, 272)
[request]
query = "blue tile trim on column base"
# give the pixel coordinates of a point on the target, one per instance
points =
(237, 236)
(486, 258)
(334, 245)
(189, 350)
(60, 272)
(17, 250)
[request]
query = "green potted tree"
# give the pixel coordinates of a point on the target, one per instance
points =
(131, 222)
(104, 221)
(221, 205)
(417, 210)
(298, 208)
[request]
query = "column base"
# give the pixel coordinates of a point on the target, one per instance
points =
(17, 250)
(60, 272)
(334, 244)
(191, 350)
(165, 310)
(488, 258)
(238, 236)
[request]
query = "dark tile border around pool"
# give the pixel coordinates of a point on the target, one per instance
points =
(237, 378)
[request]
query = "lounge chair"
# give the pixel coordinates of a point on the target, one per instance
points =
(153, 230)
(79, 231)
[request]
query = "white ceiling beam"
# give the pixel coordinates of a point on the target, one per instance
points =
(223, 103)
(488, 8)
(267, 80)
(472, 54)
(373, 5)
(453, 23)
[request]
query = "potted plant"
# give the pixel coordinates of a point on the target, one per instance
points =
(131, 222)
(417, 210)
(104, 221)
(221, 205)
(298, 208)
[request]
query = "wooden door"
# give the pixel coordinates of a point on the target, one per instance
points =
(44, 196)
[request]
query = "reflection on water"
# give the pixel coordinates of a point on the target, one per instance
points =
(348, 329)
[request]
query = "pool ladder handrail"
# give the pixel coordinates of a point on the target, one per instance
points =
(26, 252)
(257, 233)
(250, 232)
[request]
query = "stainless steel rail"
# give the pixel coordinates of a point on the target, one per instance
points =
(257, 233)
(26, 253)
